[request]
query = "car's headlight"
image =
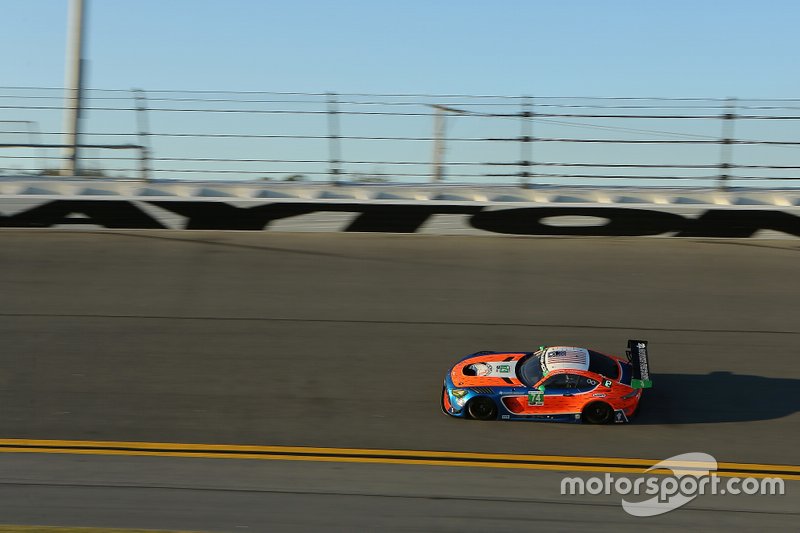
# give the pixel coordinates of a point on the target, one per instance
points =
(460, 396)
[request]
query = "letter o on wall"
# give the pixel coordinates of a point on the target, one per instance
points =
(619, 221)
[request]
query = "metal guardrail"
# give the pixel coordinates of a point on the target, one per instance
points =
(522, 141)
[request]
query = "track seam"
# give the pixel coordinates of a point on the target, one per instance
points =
(384, 322)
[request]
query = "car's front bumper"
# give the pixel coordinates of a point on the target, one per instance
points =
(451, 405)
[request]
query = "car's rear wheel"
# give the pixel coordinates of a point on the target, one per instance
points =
(598, 413)
(482, 409)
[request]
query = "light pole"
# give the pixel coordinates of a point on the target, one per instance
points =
(73, 86)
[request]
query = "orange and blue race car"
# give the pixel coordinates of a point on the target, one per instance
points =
(554, 383)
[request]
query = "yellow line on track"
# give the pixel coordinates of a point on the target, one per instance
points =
(384, 456)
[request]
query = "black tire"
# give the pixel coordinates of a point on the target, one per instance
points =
(598, 413)
(482, 408)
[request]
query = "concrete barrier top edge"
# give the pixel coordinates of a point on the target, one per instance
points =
(95, 189)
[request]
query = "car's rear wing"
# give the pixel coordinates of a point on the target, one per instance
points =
(637, 356)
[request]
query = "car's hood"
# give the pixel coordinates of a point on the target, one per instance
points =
(487, 370)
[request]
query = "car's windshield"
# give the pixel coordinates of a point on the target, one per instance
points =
(529, 369)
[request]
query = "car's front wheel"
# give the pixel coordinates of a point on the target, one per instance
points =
(598, 413)
(482, 409)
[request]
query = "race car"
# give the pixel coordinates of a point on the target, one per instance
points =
(554, 383)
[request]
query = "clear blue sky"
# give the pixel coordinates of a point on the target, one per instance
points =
(541, 48)
(675, 48)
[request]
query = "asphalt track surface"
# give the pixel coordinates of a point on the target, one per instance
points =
(335, 340)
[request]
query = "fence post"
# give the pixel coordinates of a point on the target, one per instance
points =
(526, 140)
(728, 121)
(440, 138)
(334, 149)
(437, 175)
(144, 133)
(34, 138)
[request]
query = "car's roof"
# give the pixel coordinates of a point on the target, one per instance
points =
(565, 358)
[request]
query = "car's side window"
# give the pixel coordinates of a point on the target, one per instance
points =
(555, 382)
(586, 384)
(569, 383)
(562, 382)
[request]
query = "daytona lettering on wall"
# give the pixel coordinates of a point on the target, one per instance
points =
(396, 218)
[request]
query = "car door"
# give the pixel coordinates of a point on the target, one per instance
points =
(558, 396)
